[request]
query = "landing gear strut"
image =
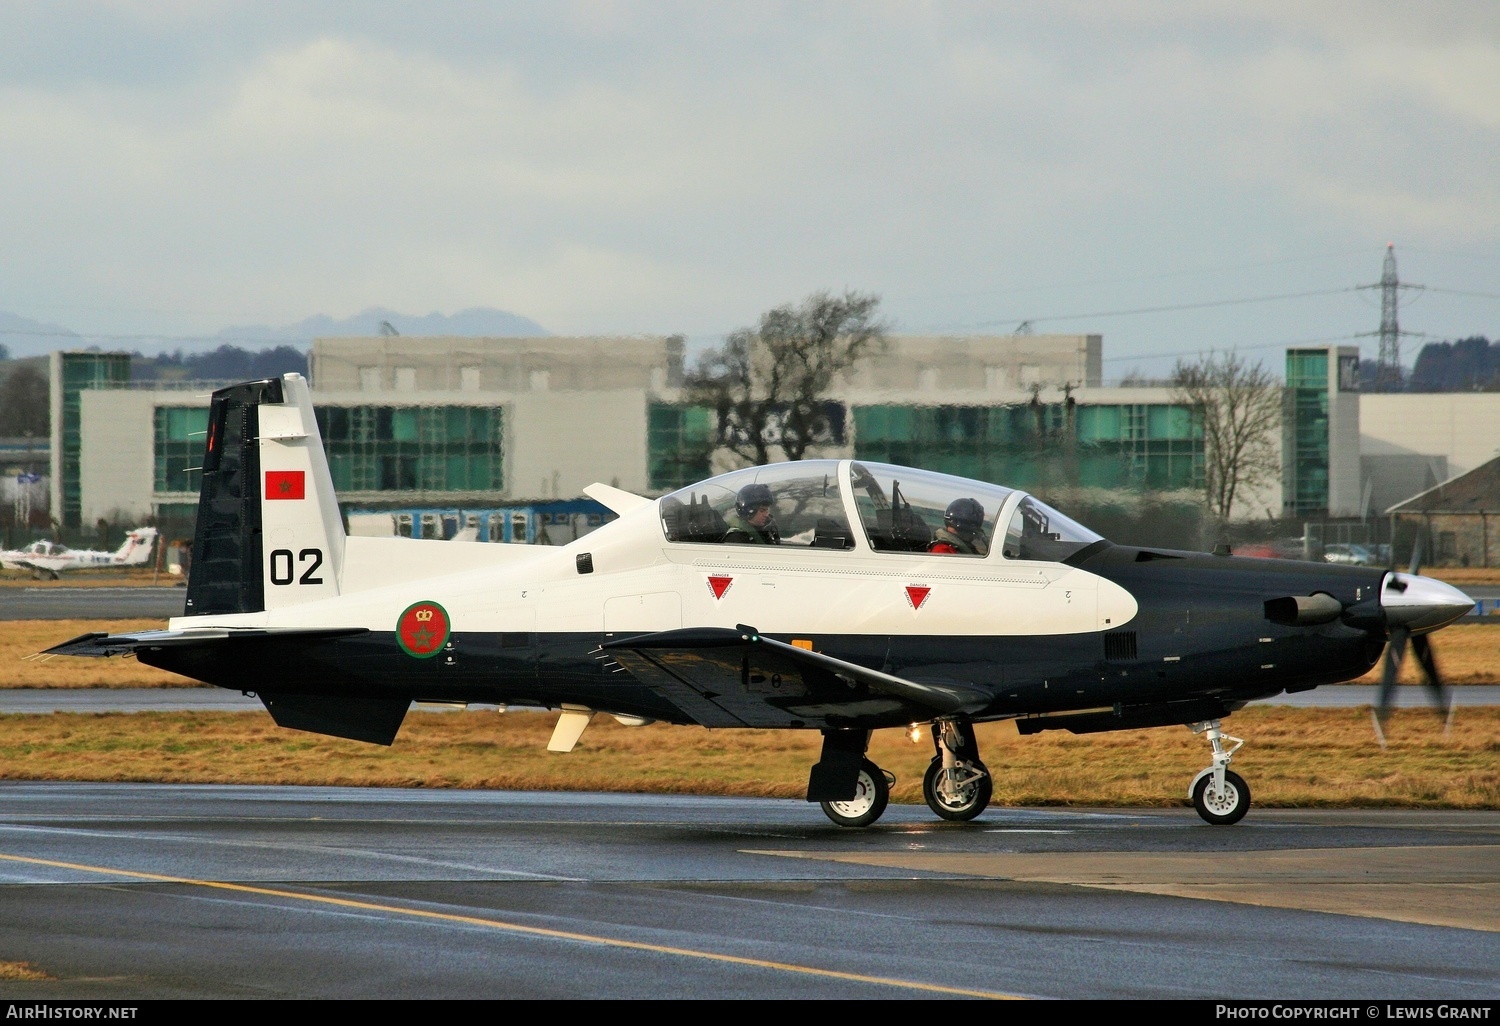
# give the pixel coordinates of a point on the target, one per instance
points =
(957, 785)
(1220, 795)
(852, 790)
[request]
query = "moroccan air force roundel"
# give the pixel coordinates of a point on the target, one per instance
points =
(423, 629)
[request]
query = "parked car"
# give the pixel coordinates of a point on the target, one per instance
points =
(1353, 555)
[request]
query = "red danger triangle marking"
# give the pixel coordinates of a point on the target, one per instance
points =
(720, 585)
(916, 595)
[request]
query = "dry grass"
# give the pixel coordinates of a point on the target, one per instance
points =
(20, 639)
(1293, 758)
(1458, 576)
(22, 971)
(1466, 653)
(135, 577)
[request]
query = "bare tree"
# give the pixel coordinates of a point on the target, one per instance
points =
(24, 402)
(769, 385)
(1238, 406)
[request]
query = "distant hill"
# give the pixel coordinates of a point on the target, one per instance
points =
(474, 322)
(226, 363)
(1468, 365)
(22, 336)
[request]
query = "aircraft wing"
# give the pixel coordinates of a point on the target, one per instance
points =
(737, 677)
(101, 644)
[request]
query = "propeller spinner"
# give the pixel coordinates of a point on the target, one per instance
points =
(1413, 607)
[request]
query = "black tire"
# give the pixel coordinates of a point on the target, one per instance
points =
(871, 796)
(973, 799)
(1222, 809)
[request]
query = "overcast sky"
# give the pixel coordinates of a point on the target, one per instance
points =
(602, 167)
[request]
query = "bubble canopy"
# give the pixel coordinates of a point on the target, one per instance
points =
(892, 509)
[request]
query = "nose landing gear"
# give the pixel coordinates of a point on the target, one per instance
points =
(957, 785)
(1220, 795)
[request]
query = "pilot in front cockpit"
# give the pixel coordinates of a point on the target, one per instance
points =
(753, 523)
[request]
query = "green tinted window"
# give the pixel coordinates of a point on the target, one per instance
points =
(1038, 445)
(180, 433)
(413, 448)
(679, 442)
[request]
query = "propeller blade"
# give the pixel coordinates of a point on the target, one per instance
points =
(1416, 555)
(1421, 647)
(1395, 652)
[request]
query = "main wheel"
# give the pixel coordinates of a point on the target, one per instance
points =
(971, 797)
(871, 795)
(1222, 808)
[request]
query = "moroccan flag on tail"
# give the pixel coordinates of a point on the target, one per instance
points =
(286, 484)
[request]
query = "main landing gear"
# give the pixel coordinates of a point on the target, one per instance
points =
(957, 785)
(1220, 795)
(872, 793)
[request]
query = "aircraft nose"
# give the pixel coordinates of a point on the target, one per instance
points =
(1421, 604)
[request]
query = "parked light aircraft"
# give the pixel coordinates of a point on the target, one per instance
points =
(54, 559)
(848, 619)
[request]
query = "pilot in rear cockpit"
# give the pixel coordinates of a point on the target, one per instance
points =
(962, 533)
(753, 523)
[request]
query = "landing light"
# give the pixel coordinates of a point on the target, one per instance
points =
(914, 733)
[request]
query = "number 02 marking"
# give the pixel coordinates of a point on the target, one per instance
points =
(282, 570)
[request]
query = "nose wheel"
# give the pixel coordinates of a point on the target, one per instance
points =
(957, 786)
(1221, 804)
(1219, 794)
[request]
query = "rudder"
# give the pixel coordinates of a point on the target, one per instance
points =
(269, 533)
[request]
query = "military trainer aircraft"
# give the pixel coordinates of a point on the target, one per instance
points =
(840, 596)
(52, 559)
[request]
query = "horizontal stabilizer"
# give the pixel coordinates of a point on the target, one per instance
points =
(617, 499)
(100, 644)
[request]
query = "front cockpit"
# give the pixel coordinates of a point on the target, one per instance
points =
(875, 507)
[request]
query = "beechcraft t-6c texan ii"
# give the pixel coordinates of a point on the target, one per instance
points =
(839, 596)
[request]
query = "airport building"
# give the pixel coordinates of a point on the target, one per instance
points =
(443, 431)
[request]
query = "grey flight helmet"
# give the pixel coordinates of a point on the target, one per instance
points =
(964, 517)
(750, 497)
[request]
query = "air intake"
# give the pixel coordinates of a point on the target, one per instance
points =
(1119, 646)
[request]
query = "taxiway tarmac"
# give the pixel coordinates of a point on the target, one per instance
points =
(170, 891)
(102, 602)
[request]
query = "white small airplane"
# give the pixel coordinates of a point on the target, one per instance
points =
(882, 597)
(53, 559)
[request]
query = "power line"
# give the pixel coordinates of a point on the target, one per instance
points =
(1283, 344)
(1165, 309)
(1457, 292)
(1194, 272)
(84, 338)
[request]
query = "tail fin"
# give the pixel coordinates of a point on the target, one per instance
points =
(269, 533)
(137, 547)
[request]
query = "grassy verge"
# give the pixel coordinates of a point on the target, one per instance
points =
(1293, 757)
(109, 577)
(22, 639)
